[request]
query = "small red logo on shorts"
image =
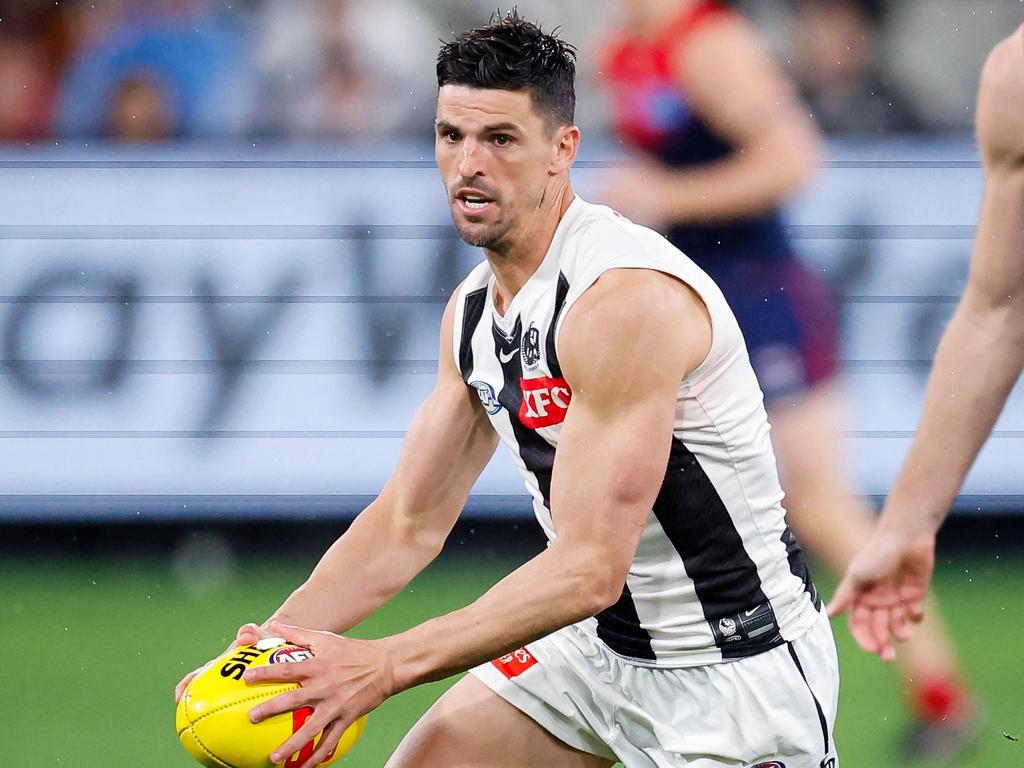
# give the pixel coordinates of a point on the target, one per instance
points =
(515, 663)
(772, 764)
(545, 401)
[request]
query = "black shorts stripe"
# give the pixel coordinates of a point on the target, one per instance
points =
(552, 356)
(817, 704)
(619, 626)
(725, 579)
(474, 310)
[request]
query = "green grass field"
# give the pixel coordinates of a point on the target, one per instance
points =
(95, 646)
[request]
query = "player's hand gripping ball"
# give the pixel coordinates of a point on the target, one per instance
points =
(213, 714)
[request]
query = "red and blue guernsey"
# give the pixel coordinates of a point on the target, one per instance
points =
(652, 113)
(784, 310)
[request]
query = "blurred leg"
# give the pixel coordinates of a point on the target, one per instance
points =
(472, 727)
(832, 522)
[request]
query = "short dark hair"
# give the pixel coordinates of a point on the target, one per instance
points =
(512, 54)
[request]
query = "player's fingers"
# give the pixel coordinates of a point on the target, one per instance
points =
(293, 672)
(300, 738)
(898, 626)
(915, 610)
(331, 737)
(248, 634)
(180, 688)
(879, 628)
(860, 619)
(842, 599)
(283, 702)
(304, 637)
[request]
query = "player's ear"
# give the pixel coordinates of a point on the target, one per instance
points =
(567, 142)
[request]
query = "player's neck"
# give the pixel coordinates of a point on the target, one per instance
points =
(515, 264)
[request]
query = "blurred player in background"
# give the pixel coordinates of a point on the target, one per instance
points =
(725, 142)
(612, 369)
(979, 360)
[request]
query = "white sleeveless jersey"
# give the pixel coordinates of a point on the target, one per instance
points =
(717, 574)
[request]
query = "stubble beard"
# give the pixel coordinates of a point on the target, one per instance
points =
(494, 239)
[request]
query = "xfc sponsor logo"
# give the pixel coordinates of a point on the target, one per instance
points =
(488, 399)
(545, 401)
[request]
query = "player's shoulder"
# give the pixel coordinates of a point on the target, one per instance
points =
(598, 229)
(474, 281)
(1003, 74)
(1006, 61)
(1001, 101)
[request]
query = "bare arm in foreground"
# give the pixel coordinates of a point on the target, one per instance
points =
(978, 361)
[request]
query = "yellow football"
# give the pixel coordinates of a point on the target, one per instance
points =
(213, 714)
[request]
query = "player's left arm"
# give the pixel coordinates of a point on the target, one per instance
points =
(624, 348)
(744, 96)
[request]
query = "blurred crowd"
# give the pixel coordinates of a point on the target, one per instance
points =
(159, 70)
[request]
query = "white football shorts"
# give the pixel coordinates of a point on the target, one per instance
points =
(773, 710)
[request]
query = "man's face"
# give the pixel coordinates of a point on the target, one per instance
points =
(495, 154)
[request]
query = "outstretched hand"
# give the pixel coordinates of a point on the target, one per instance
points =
(345, 679)
(884, 590)
(248, 634)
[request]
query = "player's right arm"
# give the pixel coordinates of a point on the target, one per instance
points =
(447, 447)
(979, 359)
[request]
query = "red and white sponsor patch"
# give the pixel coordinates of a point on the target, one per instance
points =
(515, 663)
(545, 401)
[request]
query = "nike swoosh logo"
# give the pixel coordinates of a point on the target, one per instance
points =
(751, 612)
(508, 358)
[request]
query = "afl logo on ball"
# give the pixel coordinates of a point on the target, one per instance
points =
(292, 653)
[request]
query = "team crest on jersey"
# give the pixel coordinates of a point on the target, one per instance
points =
(530, 348)
(488, 399)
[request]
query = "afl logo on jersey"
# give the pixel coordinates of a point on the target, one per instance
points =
(487, 397)
(530, 348)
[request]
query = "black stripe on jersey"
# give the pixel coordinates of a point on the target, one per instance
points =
(537, 453)
(473, 311)
(560, 293)
(798, 566)
(619, 626)
(725, 579)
